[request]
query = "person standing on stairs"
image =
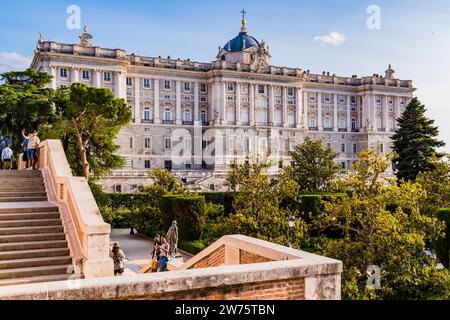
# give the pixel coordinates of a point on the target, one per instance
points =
(24, 147)
(7, 157)
(33, 147)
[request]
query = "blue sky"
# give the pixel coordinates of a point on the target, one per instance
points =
(414, 35)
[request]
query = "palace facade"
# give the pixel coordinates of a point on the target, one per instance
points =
(195, 118)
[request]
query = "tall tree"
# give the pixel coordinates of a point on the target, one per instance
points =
(415, 142)
(25, 103)
(90, 119)
(313, 166)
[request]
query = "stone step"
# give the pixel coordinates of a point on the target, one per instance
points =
(32, 237)
(34, 262)
(31, 230)
(22, 189)
(29, 216)
(29, 223)
(35, 253)
(19, 199)
(30, 280)
(23, 194)
(24, 209)
(33, 245)
(20, 174)
(34, 271)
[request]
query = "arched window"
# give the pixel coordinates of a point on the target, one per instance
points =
(342, 124)
(313, 122)
(327, 122)
(187, 115)
(204, 117)
(392, 123)
(167, 114)
(353, 124)
(379, 122)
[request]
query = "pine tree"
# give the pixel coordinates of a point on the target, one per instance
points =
(415, 142)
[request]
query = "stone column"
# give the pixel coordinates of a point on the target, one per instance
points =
(223, 103)
(137, 100)
(349, 114)
(285, 118)
(156, 106)
(305, 112)
(386, 114)
(374, 113)
(75, 75)
(271, 116)
(96, 74)
(120, 90)
(238, 103)
(196, 104)
(53, 74)
(299, 108)
(396, 110)
(335, 113)
(178, 117)
(252, 104)
(319, 112)
(213, 104)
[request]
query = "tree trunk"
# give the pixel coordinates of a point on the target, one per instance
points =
(82, 153)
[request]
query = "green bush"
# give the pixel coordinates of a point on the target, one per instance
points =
(442, 245)
(188, 210)
(214, 211)
(194, 247)
(222, 198)
(119, 219)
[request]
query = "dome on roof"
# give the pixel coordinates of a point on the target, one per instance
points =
(240, 43)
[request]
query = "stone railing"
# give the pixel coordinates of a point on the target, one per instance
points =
(86, 232)
(234, 268)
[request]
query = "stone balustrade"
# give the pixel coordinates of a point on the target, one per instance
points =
(86, 232)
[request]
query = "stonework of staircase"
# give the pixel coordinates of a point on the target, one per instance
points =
(33, 246)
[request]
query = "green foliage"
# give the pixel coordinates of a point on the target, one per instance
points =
(258, 209)
(436, 183)
(121, 218)
(395, 239)
(24, 103)
(442, 244)
(163, 182)
(194, 247)
(224, 199)
(415, 142)
(89, 120)
(214, 211)
(188, 210)
(313, 166)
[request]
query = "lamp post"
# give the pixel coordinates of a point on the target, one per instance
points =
(132, 215)
(292, 230)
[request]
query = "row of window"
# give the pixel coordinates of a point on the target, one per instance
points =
(326, 97)
(168, 85)
(168, 115)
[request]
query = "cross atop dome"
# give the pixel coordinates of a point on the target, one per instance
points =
(244, 21)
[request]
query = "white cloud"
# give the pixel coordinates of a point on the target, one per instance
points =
(334, 39)
(12, 61)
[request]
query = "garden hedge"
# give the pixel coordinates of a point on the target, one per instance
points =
(225, 199)
(189, 212)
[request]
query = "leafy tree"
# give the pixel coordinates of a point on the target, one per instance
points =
(258, 210)
(383, 226)
(25, 103)
(90, 119)
(415, 142)
(313, 166)
(437, 185)
(163, 182)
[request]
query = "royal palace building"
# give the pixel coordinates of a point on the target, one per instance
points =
(195, 118)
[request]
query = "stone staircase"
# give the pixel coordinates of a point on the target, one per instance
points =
(33, 246)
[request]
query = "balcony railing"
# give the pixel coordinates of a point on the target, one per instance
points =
(167, 121)
(342, 129)
(147, 121)
(188, 123)
(313, 129)
(355, 130)
(327, 129)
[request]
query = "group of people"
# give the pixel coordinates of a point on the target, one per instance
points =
(29, 149)
(160, 257)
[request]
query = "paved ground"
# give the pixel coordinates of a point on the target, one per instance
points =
(136, 249)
